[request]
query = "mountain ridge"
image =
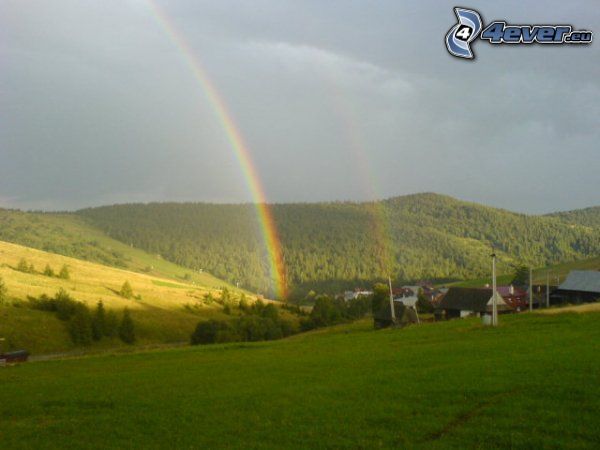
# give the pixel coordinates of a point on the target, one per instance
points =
(326, 246)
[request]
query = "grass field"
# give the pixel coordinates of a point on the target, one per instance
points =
(534, 382)
(166, 311)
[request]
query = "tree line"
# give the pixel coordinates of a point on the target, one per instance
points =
(84, 325)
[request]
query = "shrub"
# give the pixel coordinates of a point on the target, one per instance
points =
(23, 266)
(381, 296)
(270, 312)
(43, 303)
(64, 273)
(326, 312)
(252, 328)
(213, 331)
(48, 271)
(126, 290)
(65, 305)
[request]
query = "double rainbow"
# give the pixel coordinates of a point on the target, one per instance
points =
(242, 154)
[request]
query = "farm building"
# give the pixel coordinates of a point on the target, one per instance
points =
(514, 297)
(356, 293)
(580, 286)
(410, 301)
(404, 316)
(463, 302)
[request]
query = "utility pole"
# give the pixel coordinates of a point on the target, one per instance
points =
(530, 289)
(548, 289)
(392, 300)
(494, 300)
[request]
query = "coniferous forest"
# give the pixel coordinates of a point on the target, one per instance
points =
(328, 247)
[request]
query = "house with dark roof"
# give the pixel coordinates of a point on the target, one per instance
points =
(403, 316)
(514, 297)
(580, 286)
(462, 302)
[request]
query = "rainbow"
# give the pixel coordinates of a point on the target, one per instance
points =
(380, 223)
(240, 149)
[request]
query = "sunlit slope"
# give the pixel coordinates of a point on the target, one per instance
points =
(164, 310)
(70, 235)
(532, 383)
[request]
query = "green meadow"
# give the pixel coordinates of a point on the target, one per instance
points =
(534, 382)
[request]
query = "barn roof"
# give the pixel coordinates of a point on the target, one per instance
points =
(469, 299)
(583, 281)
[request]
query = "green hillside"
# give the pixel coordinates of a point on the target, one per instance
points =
(588, 217)
(164, 310)
(70, 235)
(531, 383)
(558, 273)
(332, 246)
(326, 246)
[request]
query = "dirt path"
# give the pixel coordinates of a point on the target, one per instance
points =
(111, 351)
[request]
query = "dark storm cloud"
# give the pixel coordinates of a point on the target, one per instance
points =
(337, 100)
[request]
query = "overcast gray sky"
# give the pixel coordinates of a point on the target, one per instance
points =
(337, 100)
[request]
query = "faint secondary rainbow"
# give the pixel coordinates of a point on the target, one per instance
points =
(265, 216)
(380, 222)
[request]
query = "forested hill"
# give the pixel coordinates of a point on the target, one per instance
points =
(331, 246)
(588, 217)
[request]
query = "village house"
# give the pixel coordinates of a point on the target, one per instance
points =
(410, 301)
(463, 302)
(402, 316)
(514, 297)
(580, 286)
(351, 295)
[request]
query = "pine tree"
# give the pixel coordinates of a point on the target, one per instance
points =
(521, 276)
(80, 326)
(3, 291)
(99, 322)
(126, 290)
(126, 328)
(111, 324)
(64, 273)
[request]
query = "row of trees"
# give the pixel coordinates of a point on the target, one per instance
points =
(84, 325)
(329, 311)
(259, 322)
(28, 267)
